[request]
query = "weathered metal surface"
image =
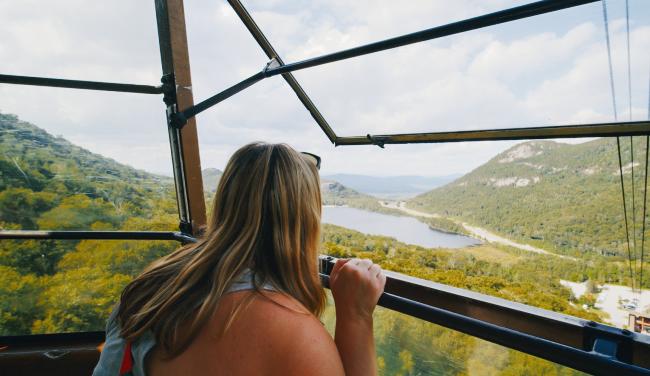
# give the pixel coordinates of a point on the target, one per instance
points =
(634, 128)
(184, 142)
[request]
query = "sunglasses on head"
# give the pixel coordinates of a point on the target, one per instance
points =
(313, 158)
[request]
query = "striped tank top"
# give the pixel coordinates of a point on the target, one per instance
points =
(114, 360)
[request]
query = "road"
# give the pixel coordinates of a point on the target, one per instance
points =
(477, 232)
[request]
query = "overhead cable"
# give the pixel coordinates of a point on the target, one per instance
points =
(618, 139)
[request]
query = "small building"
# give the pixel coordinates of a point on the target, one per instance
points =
(639, 323)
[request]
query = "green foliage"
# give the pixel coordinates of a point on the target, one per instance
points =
(445, 225)
(116, 257)
(79, 212)
(23, 206)
(560, 197)
(78, 300)
(19, 294)
(48, 183)
(38, 257)
(530, 279)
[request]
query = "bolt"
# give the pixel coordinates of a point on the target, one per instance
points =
(592, 323)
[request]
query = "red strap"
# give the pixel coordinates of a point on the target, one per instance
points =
(127, 360)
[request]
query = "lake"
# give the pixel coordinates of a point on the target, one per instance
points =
(405, 229)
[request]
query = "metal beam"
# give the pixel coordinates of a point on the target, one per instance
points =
(271, 53)
(79, 84)
(507, 15)
(184, 143)
(95, 235)
(491, 19)
(633, 128)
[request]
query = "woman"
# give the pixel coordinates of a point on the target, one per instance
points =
(246, 298)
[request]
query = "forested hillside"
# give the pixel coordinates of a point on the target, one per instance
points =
(335, 193)
(561, 197)
(48, 183)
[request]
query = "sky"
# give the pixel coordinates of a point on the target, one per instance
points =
(547, 70)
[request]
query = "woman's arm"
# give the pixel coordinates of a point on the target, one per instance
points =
(296, 343)
(356, 286)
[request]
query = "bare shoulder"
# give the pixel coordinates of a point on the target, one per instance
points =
(294, 342)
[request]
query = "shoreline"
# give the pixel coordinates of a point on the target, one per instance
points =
(475, 231)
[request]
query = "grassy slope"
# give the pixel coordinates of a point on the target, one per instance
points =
(572, 203)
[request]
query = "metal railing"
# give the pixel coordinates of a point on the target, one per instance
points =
(563, 339)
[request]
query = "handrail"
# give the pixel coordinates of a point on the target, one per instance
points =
(95, 235)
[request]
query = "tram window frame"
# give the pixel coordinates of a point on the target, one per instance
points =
(183, 142)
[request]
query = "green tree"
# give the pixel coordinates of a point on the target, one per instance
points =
(19, 294)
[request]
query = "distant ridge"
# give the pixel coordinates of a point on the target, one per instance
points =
(33, 159)
(211, 178)
(391, 186)
(560, 197)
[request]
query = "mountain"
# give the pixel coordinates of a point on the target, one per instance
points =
(47, 182)
(562, 197)
(391, 186)
(335, 193)
(211, 178)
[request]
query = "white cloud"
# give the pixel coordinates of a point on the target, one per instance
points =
(483, 79)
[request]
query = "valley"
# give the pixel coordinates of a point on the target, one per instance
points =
(477, 232)
(549, 224)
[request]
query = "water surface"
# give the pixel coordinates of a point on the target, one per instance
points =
(405, 229)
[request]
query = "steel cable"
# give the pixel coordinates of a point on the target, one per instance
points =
(645, 192)
(629, 93)
(645, 200)
(618, 139)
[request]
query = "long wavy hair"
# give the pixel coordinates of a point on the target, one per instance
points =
(265, 217)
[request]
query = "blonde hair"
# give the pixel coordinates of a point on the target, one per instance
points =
(266, 217)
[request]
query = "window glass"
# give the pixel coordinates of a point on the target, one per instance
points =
(540, 223)
(409, 346)
(90, 169)
(67, 286)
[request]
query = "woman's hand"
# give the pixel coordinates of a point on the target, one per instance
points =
(356, 285)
